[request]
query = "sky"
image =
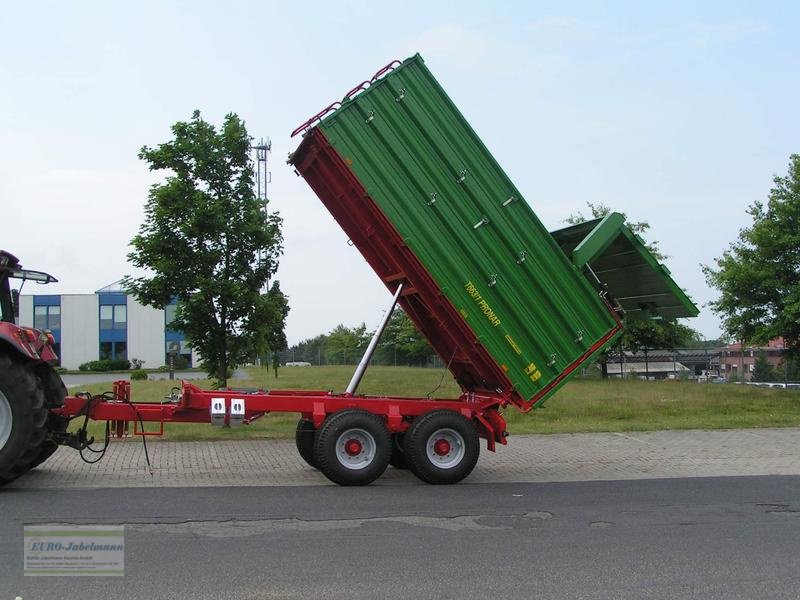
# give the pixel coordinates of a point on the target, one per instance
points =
(678, 114)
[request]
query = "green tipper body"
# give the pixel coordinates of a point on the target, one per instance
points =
(421, 162)
(512, 308)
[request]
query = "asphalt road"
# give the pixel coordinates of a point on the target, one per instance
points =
(708, 538)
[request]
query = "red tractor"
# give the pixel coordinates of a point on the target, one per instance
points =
(29, 385)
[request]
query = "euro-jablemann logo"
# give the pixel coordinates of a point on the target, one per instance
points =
(73, 547)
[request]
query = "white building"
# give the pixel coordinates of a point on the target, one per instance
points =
(106, 324)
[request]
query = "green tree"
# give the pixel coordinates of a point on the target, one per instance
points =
(207, 242)
(762, 370)
(310, 350)
(657, 334)
(759, 275)
(789, 369)
(403, 341)
(346, 345)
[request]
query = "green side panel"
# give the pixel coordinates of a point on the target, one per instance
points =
(455, 208)
(620, 259)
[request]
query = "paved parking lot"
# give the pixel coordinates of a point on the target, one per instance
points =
(527, 458)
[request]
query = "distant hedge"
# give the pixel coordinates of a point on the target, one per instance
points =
(106, 364)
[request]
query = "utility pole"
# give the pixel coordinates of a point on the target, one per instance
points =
(263, 178)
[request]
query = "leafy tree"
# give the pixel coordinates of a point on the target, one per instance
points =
(762, 370)
(790, 369)
(759, 275)
(403, 341)
(208, 243)
(276, 308)
(660, 334)
(347, 344)
(310, 350)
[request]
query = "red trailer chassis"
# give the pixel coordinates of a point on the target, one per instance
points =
(194, 405)
(350, 438)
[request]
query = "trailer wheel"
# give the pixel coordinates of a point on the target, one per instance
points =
(352, 447)
(398, 456)
(23, 419)
(442, 447)
(304, 440)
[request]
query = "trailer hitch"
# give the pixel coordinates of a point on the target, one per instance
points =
(79, 440)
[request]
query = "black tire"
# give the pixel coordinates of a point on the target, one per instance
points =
(361, 431)
(398, 455)
(55, 424)
(27, 430)
(304, 440)
(457, 454)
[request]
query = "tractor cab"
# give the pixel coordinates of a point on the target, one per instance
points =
(9, 298)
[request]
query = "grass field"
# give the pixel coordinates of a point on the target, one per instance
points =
(582, 405)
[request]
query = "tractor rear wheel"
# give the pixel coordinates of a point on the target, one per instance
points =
(55, 424)
(23, 419)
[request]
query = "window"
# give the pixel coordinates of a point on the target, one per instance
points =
(109, 350)
(120, 316)
(40, 317)
(169, 314)
(113, 316)
(106, 317)
(47, 317)
(54, 317)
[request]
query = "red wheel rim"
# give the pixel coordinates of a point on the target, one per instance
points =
(441, 447)
(352, 447)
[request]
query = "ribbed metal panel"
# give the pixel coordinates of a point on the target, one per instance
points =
(429, 173)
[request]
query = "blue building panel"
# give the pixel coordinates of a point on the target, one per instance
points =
(47, 300)
(112, 298)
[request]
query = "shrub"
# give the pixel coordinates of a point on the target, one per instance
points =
(138, 375)
(119, 364)
(137, 363)
(116, 364)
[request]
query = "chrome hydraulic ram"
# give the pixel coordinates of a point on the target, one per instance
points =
(362, 366)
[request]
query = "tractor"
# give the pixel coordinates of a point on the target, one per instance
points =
(29, 385)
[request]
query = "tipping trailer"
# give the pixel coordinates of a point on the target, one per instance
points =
(512, 309)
